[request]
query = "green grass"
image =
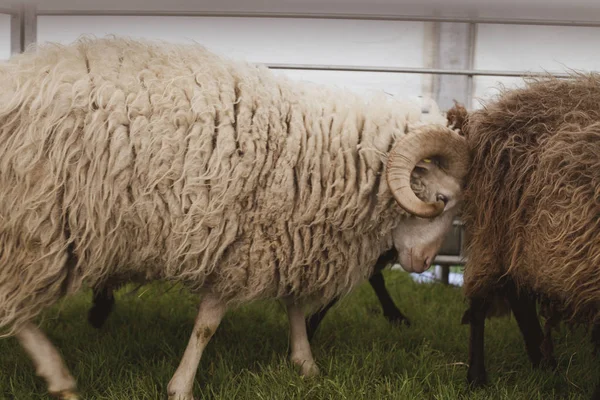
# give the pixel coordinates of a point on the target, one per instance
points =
(459, 269)
(360, 355)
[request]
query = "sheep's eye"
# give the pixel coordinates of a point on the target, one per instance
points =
(420, 170)
(441, 197)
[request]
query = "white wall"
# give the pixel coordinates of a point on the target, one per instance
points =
(275, 40)
(534, 49)
(346, 42)
(4, 36)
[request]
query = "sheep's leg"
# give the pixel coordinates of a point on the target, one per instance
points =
(209, 317)
(103, 303)
(547, 346)
(47, 361)
(476, 374)
(313, 322)
(596, 394)
(301, 354)
(390, 311)
(523, 306)
(596, 338)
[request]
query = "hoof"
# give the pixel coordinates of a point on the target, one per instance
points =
(179, 396)
(476, 379)
(549, 363)
(308, 369)
(66, 395)
(398, 319)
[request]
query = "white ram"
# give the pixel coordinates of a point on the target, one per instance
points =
(126, 160)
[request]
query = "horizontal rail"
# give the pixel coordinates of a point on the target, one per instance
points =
(443, 259)
(414, 70)
(367, 17)
(9, 11)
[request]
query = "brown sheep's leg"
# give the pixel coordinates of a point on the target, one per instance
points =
(301, 355)
(475, 316)
(48, 363)
(523, 306)
(313, 322)
(209, 317)
(596, 394)
(596, 343)
(596, 338)
(103, 302)
(390, 311)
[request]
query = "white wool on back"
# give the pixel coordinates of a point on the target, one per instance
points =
(133, 160)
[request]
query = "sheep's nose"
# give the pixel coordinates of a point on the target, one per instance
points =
(427, 264)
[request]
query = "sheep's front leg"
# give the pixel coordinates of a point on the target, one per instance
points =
(301, 354)
(209, 317)
(48, 363)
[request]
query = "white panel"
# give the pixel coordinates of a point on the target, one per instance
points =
(485, 88)
(268, 40)
(4, 36)
(402, 86)
(537, 48)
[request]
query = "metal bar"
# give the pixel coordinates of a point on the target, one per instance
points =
(471, 64)
(16, 30)
(367, 17)
(29, 25)
(23, 27)
(445, 274)
(413, 70)
(446, 259)
(454, 43)
(9, 11)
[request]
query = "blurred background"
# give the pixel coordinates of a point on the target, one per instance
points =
(363, 45)
(441, 50)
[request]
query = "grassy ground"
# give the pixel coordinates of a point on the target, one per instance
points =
(360, 355)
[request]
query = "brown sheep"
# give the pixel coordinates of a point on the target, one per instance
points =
(532, 209)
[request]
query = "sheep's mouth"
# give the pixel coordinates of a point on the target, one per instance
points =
(412, 263)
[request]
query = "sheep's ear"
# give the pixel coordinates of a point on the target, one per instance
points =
(457, 117)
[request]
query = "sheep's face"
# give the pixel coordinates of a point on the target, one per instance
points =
(418, 240)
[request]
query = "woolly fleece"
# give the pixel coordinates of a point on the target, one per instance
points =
(532, 200)
(136, 161)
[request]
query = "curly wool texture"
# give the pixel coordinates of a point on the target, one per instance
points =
(130, 160)
(532, 201)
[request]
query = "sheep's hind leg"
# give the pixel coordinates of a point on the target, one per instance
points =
(103, 303)
(211, 312)
(301, 355)
(48, 363)
(390, 311)
(313, 321)
(596, 394)
(475, 317)
(523, 306)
